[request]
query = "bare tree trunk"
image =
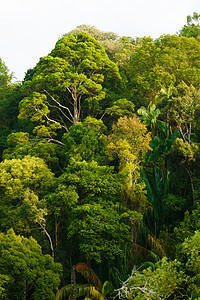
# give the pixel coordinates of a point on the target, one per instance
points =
(191, 176)
(49, 237)
(76, 118)
(130, 179)
(181, 132)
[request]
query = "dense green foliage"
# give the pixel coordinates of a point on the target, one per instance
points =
(26, 272)
(99, 169)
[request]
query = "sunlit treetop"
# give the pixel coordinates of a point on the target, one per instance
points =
(5, 76)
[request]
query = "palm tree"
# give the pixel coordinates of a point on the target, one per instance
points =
(149, 116)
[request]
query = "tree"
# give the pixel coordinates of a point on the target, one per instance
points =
(117, 48)
(149, 116)
(60, 204)
(158, 64)
(4, 281)
(95, 289)
(185, 155)
(23, 184)
(146, 72)
(67, 84)
(95, 223)
(120, 108)
(10, 97)
(30, 274)
(5, 77)
(189, 255)
(179, 54)
(21, 144)
(184, 108)
(192, 28)
(101, 232)
(189, 225)
(17, 175)
(129, 141)
(86, 140)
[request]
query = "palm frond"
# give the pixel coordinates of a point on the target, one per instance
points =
(89, 275)
(81, 291)
(146, 265)
(155, 245)
(107, 288)
(64, 292)
(89, 290)
(155, 256)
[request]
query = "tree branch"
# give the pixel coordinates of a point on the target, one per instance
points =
(60, 105)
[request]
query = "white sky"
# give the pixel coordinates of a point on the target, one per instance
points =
(29, 29)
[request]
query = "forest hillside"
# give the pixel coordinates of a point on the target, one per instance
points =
(100, 169)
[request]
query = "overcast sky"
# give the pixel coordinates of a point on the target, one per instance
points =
(29, 29)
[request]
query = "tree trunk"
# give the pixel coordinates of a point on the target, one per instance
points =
(75, 112)
(73, 283)
(56, 231)
(24, 296)
(49, 237)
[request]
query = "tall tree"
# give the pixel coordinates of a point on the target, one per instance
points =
(5, 76)
(129, 141)
(9, 101)
(118, 48)
(192, 28)
(23, 184)
(67, 84)
(158, 64)
(94, 221)
(183, 108)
